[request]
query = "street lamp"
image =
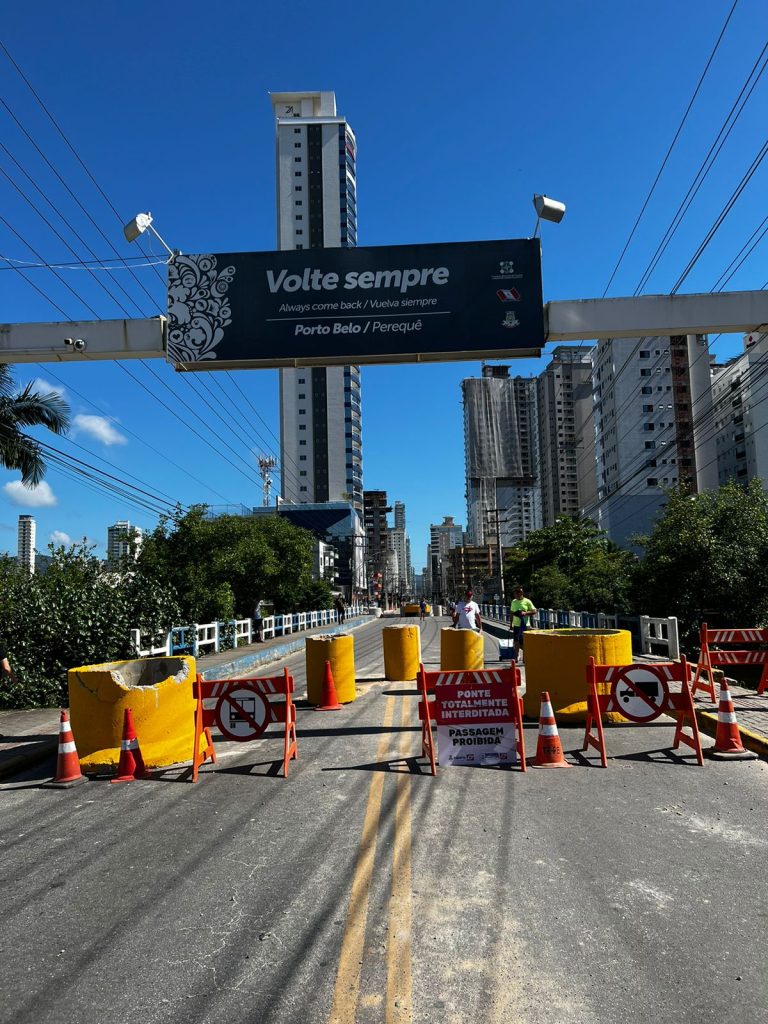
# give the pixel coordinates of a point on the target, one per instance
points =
(547, 209)
(143, 222)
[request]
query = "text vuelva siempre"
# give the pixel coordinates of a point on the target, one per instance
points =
(316, 281)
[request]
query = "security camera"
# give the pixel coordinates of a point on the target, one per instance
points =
(80, 345)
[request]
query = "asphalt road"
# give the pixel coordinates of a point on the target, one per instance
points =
(363, 890)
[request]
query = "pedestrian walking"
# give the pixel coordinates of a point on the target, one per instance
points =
(422, 609)
(467, 614)
(341, 607)
(521, 611)
(6, 670)
(258, 622)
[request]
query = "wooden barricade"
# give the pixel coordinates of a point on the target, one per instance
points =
(502, 686)
(710, 658)
(640, 692)
(242, 709)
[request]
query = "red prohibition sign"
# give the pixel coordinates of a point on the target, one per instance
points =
(242, 713)
(639, 693)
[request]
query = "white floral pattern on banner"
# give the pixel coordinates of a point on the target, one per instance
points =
(198, 307)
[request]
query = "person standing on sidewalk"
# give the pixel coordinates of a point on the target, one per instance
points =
(6, 670)
(258, 621)
(422, 609)
(521, 611)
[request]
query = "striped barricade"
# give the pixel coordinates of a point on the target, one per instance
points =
(710, 657)
(640, 692)
(242, 710)
(472, 712)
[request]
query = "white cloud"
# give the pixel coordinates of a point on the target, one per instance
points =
(99, 428)
(60, 539)
(42, 386)
(30, 497)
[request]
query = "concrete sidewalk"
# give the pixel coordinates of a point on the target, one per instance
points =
(29, 737)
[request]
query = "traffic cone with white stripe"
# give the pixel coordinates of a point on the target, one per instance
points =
(68, 764)
(330, 700)
(131, 765)
(549, 751)
(728, 745)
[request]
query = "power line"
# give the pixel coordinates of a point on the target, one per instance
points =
(671, 147)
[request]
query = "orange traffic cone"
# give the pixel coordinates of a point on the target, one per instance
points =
(68, 764)
(330, 702)
(549, 752)
(728, 745)
(131, 765)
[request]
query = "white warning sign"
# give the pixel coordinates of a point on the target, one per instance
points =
(488, 744)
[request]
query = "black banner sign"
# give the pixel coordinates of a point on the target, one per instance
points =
(318, 307)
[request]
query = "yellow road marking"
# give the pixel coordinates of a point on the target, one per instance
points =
(347, 988)
(399, 1008)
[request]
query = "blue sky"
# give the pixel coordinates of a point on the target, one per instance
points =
(461, 112)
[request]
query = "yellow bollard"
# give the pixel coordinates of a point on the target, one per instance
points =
(402, 652)
(461, 649)
(340, 651)
(556, 662)
(158, 692)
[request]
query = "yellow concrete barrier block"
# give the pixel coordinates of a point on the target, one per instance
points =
(461, 649)
(556, 661)
(402, 652)
(340, 651)
(158, 692)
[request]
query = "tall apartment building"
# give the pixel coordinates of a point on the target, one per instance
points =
(652, 415)
(501, 455)
(375, 510)
(739, 390)
(123, 541)
(321, 444)
(566, 433)
(401, 544)
(443, 537)
(25, 551)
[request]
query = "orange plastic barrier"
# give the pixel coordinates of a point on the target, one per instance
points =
(710, 658)
(242, 709)
(640, 692)
(502, 684)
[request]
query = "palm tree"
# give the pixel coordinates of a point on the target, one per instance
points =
(27, 409)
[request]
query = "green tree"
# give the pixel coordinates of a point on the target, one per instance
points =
(573, 564)
(76, 613)
(219, 567)
(27, 408)
(705, 559)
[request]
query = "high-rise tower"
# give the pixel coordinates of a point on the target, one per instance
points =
(25, 555)
(320, 412)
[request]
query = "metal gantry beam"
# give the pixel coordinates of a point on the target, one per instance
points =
(568, 320)
(663, 315)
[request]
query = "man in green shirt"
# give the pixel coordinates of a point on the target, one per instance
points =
(521, 611)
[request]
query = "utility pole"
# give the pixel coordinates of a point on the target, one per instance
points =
(266, 464)
(493, 514)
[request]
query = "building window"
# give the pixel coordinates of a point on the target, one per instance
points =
(302, 426)
(646, 391)
(302, 442)
(299, 231)
(297, 174)
(297, 159)
(302, 412)
(302, 458)
(302, 396)
(299, 246)
(652, 481)
(302, 472)
(298, 188)
(647, 408)
(302, 380)
(299, 216)
(645, 355)
(645, 372)
(296, 145)
(302, 488)
(648, 426)
(299, 202)
(297, 131)
(650, 444)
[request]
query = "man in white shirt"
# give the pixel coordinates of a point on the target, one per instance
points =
(467, 614)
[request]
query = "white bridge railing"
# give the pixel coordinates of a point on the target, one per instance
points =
(654, 633)
(211, 637)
